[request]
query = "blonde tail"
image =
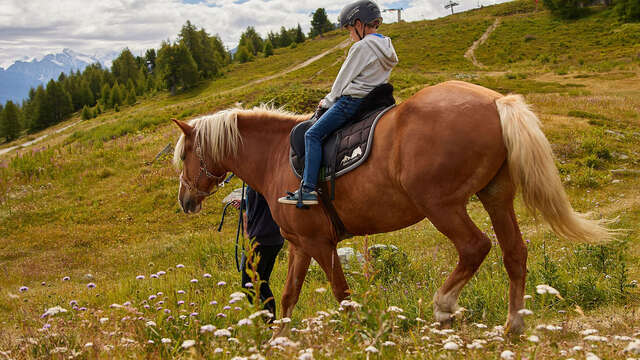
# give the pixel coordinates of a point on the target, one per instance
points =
(533, 170)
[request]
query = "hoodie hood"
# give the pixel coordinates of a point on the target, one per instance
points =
(383, 48)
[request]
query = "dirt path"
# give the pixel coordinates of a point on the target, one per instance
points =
(470, 54)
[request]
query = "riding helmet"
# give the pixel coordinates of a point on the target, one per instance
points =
(364, 10)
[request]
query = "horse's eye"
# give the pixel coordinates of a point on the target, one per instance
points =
(183, 156)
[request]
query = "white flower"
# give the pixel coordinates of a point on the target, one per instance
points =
(237, 296)
(350, 304)
(207, 276)
(533, 339)
(388, 343)
(218, 350)
(395, 309)
(480, 326)
(527, 297)
(507, 355)
(284, 320)
(151, 323)
(222, 332)
(88, 345)
(179, 266)
(306, 354)
(244, 322)
(576, 348)
(283, 342)
(104, 320)
(221, 283)
(588, 332)
(525, 312)
(207, 328)
(371, 349)
(53, 311)
(320, 290)
(596, 338)
(475, 345)
(633, 347)
(256, 314)
(591, 356)
(546, 289)
(188, 343)
(451, 346)
(165, 341)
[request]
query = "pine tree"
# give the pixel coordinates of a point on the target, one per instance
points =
(116, 95)
(268, 48)
(86, 113)
(320, 23)
(176, 67)
(131, 97)
(105, 96)
(299, 35)
(10, 121)
(251, 40)
(243, 55)
(285, 39)
(628, 10)
(193, 41)
(125, 67)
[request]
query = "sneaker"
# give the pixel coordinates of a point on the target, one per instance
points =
(308, 198)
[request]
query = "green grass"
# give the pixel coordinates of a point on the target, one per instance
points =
(90, 204)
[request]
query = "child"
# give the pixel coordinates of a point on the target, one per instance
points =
(368, 64)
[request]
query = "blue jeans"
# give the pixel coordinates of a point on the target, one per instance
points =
(330, 121)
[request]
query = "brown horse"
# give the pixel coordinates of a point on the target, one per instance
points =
(430, 155)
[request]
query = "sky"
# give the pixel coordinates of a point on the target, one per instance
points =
(34, 28)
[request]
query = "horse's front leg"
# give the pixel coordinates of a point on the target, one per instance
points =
(298, 266)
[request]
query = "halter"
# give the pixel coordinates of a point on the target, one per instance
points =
(203, 170)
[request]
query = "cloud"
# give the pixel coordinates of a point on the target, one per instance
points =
(35, 27)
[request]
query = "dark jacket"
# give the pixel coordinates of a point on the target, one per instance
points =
(260, 224)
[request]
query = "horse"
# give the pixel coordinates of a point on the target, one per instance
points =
(430, 154)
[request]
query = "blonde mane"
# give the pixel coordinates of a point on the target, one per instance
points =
(219, 133)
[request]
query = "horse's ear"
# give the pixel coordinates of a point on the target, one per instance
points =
(186, 128)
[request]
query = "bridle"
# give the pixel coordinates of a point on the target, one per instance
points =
(219, 179)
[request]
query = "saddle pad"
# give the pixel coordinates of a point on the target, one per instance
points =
(344, 150)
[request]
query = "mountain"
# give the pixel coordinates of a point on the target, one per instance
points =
(18, 78)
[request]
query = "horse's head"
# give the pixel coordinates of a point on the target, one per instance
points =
(200, 175)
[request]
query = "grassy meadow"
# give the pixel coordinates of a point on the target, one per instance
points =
(98, 261)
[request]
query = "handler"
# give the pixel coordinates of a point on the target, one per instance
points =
(265, 236)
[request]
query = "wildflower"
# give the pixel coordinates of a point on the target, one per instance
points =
(146, 306)
(194, 281)
(213, 302)
(73, 303)
(23, 288)
(180, 302)
(150, 342)
(222, 332)
(237, 308)
(244, 322)
(91, 285)
(82, 309)
(221, 315)
(534, 339)
(188, 343)
(350, 304)
(88, 345)
(193, 314)
(633, 347)
(140, 277)
(577, 348)
(388, 343)
(207, 276)
(227, 307)
(207, 328)
(425, 338)
(588, 332)
(451, 346)
(221, 283)
(218, 350)
(53, 311)
(153, 276)
(527, 297)
(474, 345)
(127, 303)
(256, 314)
(507, 355)
(238, 295)
(165, 341)
(306, 354)
(248, 285)
(151, 323)
(233, 340)
(596, 338)
(546, 289)
(591, 356)
(525, 312)
(402, 317)
(320, 290)
(152, 297)
(104, 320)
(182, 317)
(480, 326)
(115, 306)
(160, 293)
(371, 349)
(160, 273)
(179, 266)
(181, 292)
(394, 309)
(66, 278)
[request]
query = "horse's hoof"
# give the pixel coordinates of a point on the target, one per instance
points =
(514, 326)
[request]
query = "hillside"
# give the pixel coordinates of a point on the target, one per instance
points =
(86, 204)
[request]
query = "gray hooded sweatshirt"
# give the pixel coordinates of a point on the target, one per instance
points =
(368, 64)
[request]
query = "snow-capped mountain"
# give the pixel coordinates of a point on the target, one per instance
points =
(22, 75)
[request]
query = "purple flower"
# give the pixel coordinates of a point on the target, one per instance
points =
(152, 297)
(248, 285)
(66, 278)
(221, 283)
(43, 283)
(83, 309)
(169, 318)
(153, 276)
(160, 273)
(167, 311)
(23, 289)
(192, 304)
(146, 306)
(213, 302)
(179, 266)
(159, 308)
(226, 307)
(180, 292)
(140, 277)
(207, 276)
(193, 314)
(221, 315)
(46, 326)
(73, 302)
(160, 293)
(128, 303)
(193, 281)
(91, 285)
(180, 302)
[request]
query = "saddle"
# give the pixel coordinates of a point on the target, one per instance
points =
(348, 147)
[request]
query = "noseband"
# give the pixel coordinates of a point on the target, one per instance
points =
(192, 187)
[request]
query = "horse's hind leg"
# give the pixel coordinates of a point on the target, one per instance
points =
(497, 199)
(472, 245)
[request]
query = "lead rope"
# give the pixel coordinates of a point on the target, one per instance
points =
(240, 228)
